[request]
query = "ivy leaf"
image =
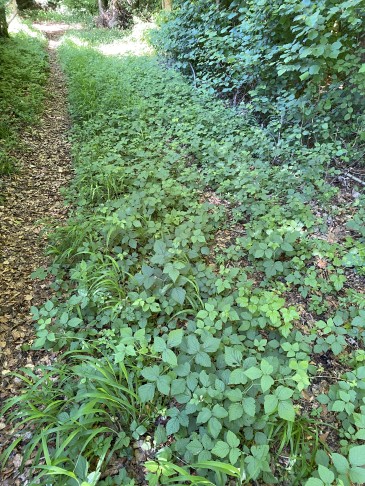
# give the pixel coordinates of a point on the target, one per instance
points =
(221, 449)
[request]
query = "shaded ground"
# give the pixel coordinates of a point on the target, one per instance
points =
(31, 197)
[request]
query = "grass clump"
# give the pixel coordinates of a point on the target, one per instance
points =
(198, 262)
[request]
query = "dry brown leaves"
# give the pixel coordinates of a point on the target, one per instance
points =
(31, 196)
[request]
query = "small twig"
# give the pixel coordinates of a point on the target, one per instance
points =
(191, 66)
(347, 174)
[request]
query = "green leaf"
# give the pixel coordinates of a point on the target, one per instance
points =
(266, 383)
(172, 426)
(234, 455)
(160, 435)
(204, 416)
(178, 386)
(234, 395)
(211, 344)
(314, 482)
(249, 406)
(326, 474)
(159, 344)
(147, 392)
(283, 393)
(266, 367)
(214, 427)
(175, 337)
(232, 356)
(232, 439)
(270, 404)
(221, 449)
(357, 455)
(193, 345)
(178, 294)
(286, 411)
(340, 462)
(362, 69)
(219, 411)
(203, 359)
(235, 411)
(151, 373)
(237, 377)
(51, 337)
(74, 322)
(169, 357)
(357, 475)
(253, 373)
(40, 273)
(195, 447)
(163, 384)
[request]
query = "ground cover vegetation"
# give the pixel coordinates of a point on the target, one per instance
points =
(297, 65)
(208, 288)
(23, 65)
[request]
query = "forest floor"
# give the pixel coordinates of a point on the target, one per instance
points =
(188, 241)
(31, 198)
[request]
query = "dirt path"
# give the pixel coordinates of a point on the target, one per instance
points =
(31, 196)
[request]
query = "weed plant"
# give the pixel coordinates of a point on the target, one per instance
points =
(206, 350)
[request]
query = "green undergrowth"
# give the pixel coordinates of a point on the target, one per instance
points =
(202, 305)
(23, 73)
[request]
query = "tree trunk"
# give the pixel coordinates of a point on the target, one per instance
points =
(3, 23)
(167, 5)
(101, 7)
(25, 4)
(117, 14)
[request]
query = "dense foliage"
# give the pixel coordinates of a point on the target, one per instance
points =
(23, 68)
(291, 62)
(204, 301)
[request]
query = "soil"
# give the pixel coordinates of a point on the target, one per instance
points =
(31, 197)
